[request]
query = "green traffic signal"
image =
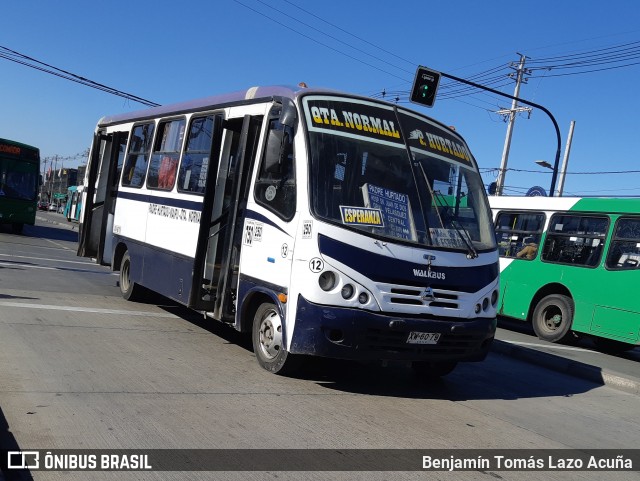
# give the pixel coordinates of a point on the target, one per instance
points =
(425, 86)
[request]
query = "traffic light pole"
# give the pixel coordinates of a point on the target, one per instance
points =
(555, 124)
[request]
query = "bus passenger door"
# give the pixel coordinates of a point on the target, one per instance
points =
(219, 242)
(100, 195)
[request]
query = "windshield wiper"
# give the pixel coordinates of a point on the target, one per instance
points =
(440, 202)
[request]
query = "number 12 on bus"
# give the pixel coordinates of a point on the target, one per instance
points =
(323, 224)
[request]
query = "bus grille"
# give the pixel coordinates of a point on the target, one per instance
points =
(416, 297)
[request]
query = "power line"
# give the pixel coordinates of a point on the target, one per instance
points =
(31, 62)
(317, 41)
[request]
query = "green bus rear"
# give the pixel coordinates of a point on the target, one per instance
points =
(571, 266)
(19, 180)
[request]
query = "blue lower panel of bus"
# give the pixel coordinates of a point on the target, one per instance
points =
(357, 334)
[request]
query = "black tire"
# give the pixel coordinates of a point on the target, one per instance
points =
(553, 317)
(130, 290)
(433, 370)
(17, 228)
(611, 346)
(268, 344)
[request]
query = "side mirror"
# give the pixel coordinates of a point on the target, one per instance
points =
(289, 114)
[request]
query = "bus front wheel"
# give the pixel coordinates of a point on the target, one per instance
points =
(268, 342)
(553, 318)
(129, 289)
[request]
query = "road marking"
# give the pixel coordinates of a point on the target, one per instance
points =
(95, 310)
(27, 266)
(552, 346)
(48, 259)
(55, 243)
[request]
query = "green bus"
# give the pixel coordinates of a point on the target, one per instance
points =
(570, 265)
(19, 181)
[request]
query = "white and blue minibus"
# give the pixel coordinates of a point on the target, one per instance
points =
(322, 223)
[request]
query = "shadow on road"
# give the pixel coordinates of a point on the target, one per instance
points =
(9, 443)
(497, 377)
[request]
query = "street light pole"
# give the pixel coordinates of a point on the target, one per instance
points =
(565, 160)
(538, 106)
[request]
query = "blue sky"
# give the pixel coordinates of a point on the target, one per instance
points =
(173, 51)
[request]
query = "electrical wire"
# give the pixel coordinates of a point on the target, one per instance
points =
(31, 62)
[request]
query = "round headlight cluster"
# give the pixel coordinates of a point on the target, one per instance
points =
(329, 280)
(486, 302)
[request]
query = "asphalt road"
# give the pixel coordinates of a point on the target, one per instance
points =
(80, 368)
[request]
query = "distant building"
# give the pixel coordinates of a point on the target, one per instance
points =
(81, 170)
(56, 183)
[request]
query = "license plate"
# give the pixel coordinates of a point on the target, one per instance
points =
(423, 338)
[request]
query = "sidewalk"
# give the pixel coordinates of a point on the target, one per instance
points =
(620, 372)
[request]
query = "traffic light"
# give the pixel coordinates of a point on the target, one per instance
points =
(425, 86)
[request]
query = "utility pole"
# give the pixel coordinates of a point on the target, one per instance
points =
(565, 160)
(512, 112)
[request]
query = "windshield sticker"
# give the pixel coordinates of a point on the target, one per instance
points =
(396, 210)
(446, 238)
(361, 216)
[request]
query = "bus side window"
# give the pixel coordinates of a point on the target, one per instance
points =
(192, 176)
(518, 234)
(135, 168)
(276, 184)
(575, 239)
(624, 253)
(166, 153)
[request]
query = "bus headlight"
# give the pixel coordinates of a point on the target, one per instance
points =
(347, 291)
(494, 298)
(327, 281)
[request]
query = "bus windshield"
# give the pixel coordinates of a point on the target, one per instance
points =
(18, 179)
(366, 176)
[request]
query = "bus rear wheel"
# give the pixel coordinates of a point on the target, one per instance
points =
(17, 228)
(129, 289)
(268, 342)
(553, 318)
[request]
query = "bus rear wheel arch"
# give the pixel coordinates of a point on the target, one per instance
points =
(129, 289)
(552, 318)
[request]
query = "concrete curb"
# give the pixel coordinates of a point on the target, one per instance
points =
(567, 366)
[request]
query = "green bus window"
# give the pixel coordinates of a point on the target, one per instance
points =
(518, 234)
(624, 252)
(575, 239)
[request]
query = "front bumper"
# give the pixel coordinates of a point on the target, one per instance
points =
(346, 333)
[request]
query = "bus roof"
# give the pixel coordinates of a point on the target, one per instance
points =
(248, 95)
(626, 205)
(18, 144)
(214, 101)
